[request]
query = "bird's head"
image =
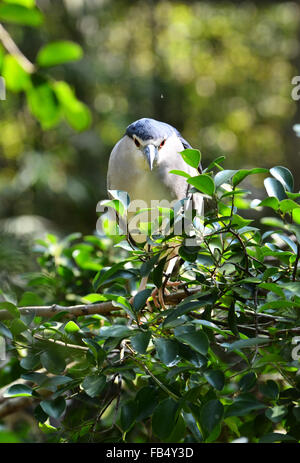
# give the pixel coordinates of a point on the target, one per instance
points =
(151, 138)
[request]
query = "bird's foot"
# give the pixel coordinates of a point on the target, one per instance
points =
(159, 293)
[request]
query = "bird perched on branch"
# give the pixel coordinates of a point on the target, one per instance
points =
(140, 164)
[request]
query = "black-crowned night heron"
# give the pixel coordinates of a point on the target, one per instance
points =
(140, 164)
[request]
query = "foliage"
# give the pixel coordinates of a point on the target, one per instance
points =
(221, 364)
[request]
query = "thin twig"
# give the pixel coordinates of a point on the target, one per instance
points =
(14, 50)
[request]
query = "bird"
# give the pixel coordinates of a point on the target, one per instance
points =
(140, 164)
(141, 161)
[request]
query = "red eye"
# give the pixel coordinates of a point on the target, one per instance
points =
(162, 143)
(137, 143)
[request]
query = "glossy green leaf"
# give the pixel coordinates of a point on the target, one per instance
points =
(93, 385)
(270, 202)
(224, 176)
(288, 205)
(18, 390)
(128, 415)
(140, 342)
(243, 173)
(215, 378)
(140, 299)
(180, 173)
(54, 408)
(204, 183)
(192, 157)
(146, 400)
(211, 415)
(164, 417)
(247, 381)
(167, 351)
(53, 361)
(274, 188)
(245, 343)
(284, 176)
(197, 341)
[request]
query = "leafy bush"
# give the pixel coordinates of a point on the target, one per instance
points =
(219, 362)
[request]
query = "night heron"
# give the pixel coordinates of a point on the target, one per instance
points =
(140, 164)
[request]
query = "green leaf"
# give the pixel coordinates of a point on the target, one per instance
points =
(274, 188)
(214, 163)
(243, 173)
(211, 415)
(116, 331)
(207, 298)
(278, 304)
(146, 399)
(148, 265)
(140, 341)
(30, 362)
(275, 437)
(203, 183)
(17, 326)
(76, 113)
(18, 390)
(243, 405)
(140, 299)
(71, 327)
(54, 408)
(245, 343)
(157, 274)
(197, 341)
(247, 381)
(16, 78)
(164, 417)
(269, 389)
(277, 413)
(43, 102)
(167, 351)
(192, 157)
(93, 385)
(11, 308)
(224, 177)
(296, 216)
(128, 415)
(179, 172)
(288, 205)
(19, 14)
(60, 52)
(284, 176)
(270, 202)
(4, 331)
(53, 361)
(26, 3)
(215, 378)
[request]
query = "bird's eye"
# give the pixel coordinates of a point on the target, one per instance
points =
(137, 143)
(162, 143)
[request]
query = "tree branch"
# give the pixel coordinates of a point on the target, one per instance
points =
(14, 50)
(102, 308)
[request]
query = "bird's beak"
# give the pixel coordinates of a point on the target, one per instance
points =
(150, 152)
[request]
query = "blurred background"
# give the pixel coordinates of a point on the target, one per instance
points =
(220, 72)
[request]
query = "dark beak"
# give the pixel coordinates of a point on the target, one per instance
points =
(150, 152)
